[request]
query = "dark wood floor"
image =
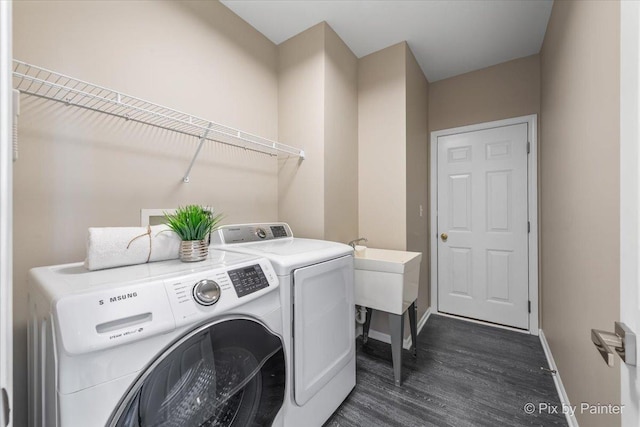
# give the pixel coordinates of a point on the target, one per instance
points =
(465, 375)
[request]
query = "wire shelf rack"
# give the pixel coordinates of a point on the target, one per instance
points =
(37, 81)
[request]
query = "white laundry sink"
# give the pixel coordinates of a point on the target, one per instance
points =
(385, 279)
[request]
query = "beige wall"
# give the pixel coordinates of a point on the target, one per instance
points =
(301, 123)
(580, 189)
(318, 110)
(510, 89)
(417, 220)
(79, 169)
(382, 187)
(341, 140)
(382, 154)
(392, 158)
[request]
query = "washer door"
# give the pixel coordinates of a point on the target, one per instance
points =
(226, 374)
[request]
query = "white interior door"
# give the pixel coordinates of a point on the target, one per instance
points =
(6, 172)
(483, 225)
(630, 201)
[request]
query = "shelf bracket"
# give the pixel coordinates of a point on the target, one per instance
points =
(202, 139)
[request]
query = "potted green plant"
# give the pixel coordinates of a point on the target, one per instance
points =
(192, 223)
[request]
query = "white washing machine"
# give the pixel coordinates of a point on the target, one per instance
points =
(168, 343)
(316, 290)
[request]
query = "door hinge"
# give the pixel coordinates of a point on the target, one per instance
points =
(528, 226)
(529, 305)
(528, 147)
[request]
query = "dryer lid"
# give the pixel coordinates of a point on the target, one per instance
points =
(285, 252)
(287, 255)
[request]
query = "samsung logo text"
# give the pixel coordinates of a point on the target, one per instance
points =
(119, 297)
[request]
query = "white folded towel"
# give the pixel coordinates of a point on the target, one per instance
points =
(118, 246)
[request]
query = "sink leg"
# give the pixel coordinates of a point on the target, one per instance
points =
(396, 326)
(413, 315)
(367, 324)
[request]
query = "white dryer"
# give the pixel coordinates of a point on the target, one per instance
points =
(316, 288)
(167, 343)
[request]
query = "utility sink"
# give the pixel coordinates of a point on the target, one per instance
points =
(385, 279)
(388, 280)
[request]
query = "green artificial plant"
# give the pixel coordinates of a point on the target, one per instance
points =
(192, 222)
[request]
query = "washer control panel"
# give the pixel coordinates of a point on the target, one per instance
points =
(246, 233)
(203, 293)
(114, 315)
(248, 280)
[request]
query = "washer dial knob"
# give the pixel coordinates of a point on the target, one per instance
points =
(206, 292)
(261, 233)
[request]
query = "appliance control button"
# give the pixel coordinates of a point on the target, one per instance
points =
(206, 292)
(261, 233)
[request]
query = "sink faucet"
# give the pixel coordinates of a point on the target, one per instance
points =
(353, 243)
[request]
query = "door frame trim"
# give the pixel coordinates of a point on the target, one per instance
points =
(6, 211)
(629, 199)
(532, 187)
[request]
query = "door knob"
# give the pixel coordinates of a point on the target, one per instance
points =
(444, 237)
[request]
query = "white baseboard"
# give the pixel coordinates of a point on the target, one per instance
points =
(562, 392)
(407, 341)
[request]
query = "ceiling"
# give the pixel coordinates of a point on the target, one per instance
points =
(448, 37)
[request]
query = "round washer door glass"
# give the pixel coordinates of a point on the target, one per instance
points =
(227, 374)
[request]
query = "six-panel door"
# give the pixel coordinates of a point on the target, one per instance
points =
(482, 225)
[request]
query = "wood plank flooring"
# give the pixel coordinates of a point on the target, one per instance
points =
(465, 374)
